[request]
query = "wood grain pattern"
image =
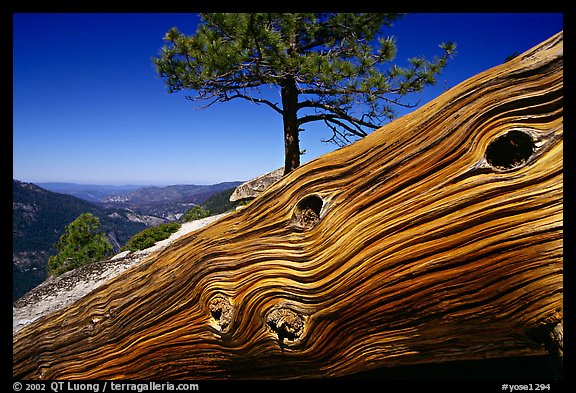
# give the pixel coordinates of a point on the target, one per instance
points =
(411, 245)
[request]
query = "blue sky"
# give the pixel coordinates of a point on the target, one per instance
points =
(89, 108)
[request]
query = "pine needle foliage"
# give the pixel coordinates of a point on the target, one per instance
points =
(150, 236)
(80, 244)
(330, 67)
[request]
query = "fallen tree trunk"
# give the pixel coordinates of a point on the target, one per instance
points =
(438, 237)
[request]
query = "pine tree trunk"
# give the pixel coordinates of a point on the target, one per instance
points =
(438, 237)
(291, 138)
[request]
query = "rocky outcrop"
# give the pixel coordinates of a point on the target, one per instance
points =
(58, 292)
(252, 188)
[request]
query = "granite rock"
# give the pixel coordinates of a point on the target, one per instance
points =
(252, 188)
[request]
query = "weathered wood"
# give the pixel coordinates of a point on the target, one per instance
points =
(438, 237)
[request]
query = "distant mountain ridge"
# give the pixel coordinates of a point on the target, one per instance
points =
(168, 203)
(88, 192)
(189, 193)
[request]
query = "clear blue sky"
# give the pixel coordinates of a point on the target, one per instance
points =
(89, 108)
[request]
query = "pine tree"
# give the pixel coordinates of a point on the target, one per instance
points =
(80, 244)
(333, 68)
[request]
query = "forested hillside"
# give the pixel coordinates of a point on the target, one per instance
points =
(220, 202)
(38, 220)
(40, 217)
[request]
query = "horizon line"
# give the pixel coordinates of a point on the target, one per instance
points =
(130, 184)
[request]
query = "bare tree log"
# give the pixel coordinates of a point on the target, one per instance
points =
(438, 237)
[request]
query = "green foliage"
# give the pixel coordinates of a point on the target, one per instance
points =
(340, 63)
(196, 213)
(220, 202)
(80, 244)
(149, 236)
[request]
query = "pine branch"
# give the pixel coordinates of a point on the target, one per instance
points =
(339, 115)
(255, 100)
